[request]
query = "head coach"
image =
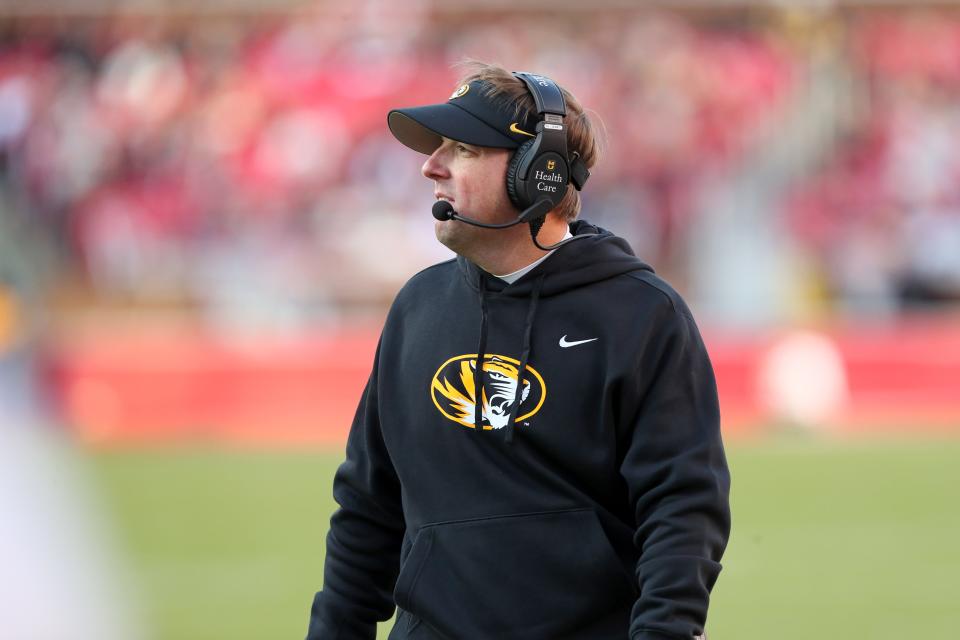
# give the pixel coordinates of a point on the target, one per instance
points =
(537, 452)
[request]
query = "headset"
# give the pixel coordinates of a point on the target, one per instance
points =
(540, 171)
(540, 168)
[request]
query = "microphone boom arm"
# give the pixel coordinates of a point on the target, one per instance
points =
(443, 210)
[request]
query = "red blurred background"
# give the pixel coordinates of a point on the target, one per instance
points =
(203, 216)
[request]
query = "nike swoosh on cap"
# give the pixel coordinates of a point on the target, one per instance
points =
(516, 129)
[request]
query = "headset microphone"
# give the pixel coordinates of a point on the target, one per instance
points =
(443, 210)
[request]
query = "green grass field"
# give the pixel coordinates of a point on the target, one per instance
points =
(855, 539)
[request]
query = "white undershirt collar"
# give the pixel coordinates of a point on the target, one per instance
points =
(510, 278)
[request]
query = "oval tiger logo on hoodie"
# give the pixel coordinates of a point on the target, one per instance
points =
(452, 390)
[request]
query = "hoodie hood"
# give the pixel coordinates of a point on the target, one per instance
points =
(600, 256)
(595, 256)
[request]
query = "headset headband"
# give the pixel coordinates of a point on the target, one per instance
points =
(551, 109)
(546, 94)
(551, 131)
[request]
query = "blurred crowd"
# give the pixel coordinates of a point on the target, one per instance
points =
(882, 216)
(241, 167)
(246, 167)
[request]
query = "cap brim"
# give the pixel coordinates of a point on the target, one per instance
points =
(421, 128)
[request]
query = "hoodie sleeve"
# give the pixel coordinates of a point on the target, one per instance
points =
(363, 544)
(678, 481)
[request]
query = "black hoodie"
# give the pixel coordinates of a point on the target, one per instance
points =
(593, 503)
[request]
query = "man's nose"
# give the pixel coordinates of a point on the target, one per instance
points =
(435, 167)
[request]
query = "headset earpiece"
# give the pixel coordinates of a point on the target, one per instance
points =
(540, 168)
(518, 199)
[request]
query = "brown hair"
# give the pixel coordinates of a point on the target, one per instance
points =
(581, 131)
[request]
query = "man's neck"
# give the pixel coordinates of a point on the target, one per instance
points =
(513, 276)
(517, 249)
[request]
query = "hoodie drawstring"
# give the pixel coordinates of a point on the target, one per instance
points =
(524, 357)
(481, 356)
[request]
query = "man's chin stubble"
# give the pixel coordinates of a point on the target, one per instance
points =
(466, 240)
(454, 235)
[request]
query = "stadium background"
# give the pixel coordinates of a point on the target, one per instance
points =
(203, 219)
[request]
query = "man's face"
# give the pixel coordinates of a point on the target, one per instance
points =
(473, 179)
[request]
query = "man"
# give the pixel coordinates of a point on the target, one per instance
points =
(585, 495)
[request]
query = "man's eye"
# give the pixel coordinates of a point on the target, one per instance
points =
(464, 149)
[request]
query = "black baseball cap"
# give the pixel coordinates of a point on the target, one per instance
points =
(471, 115)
